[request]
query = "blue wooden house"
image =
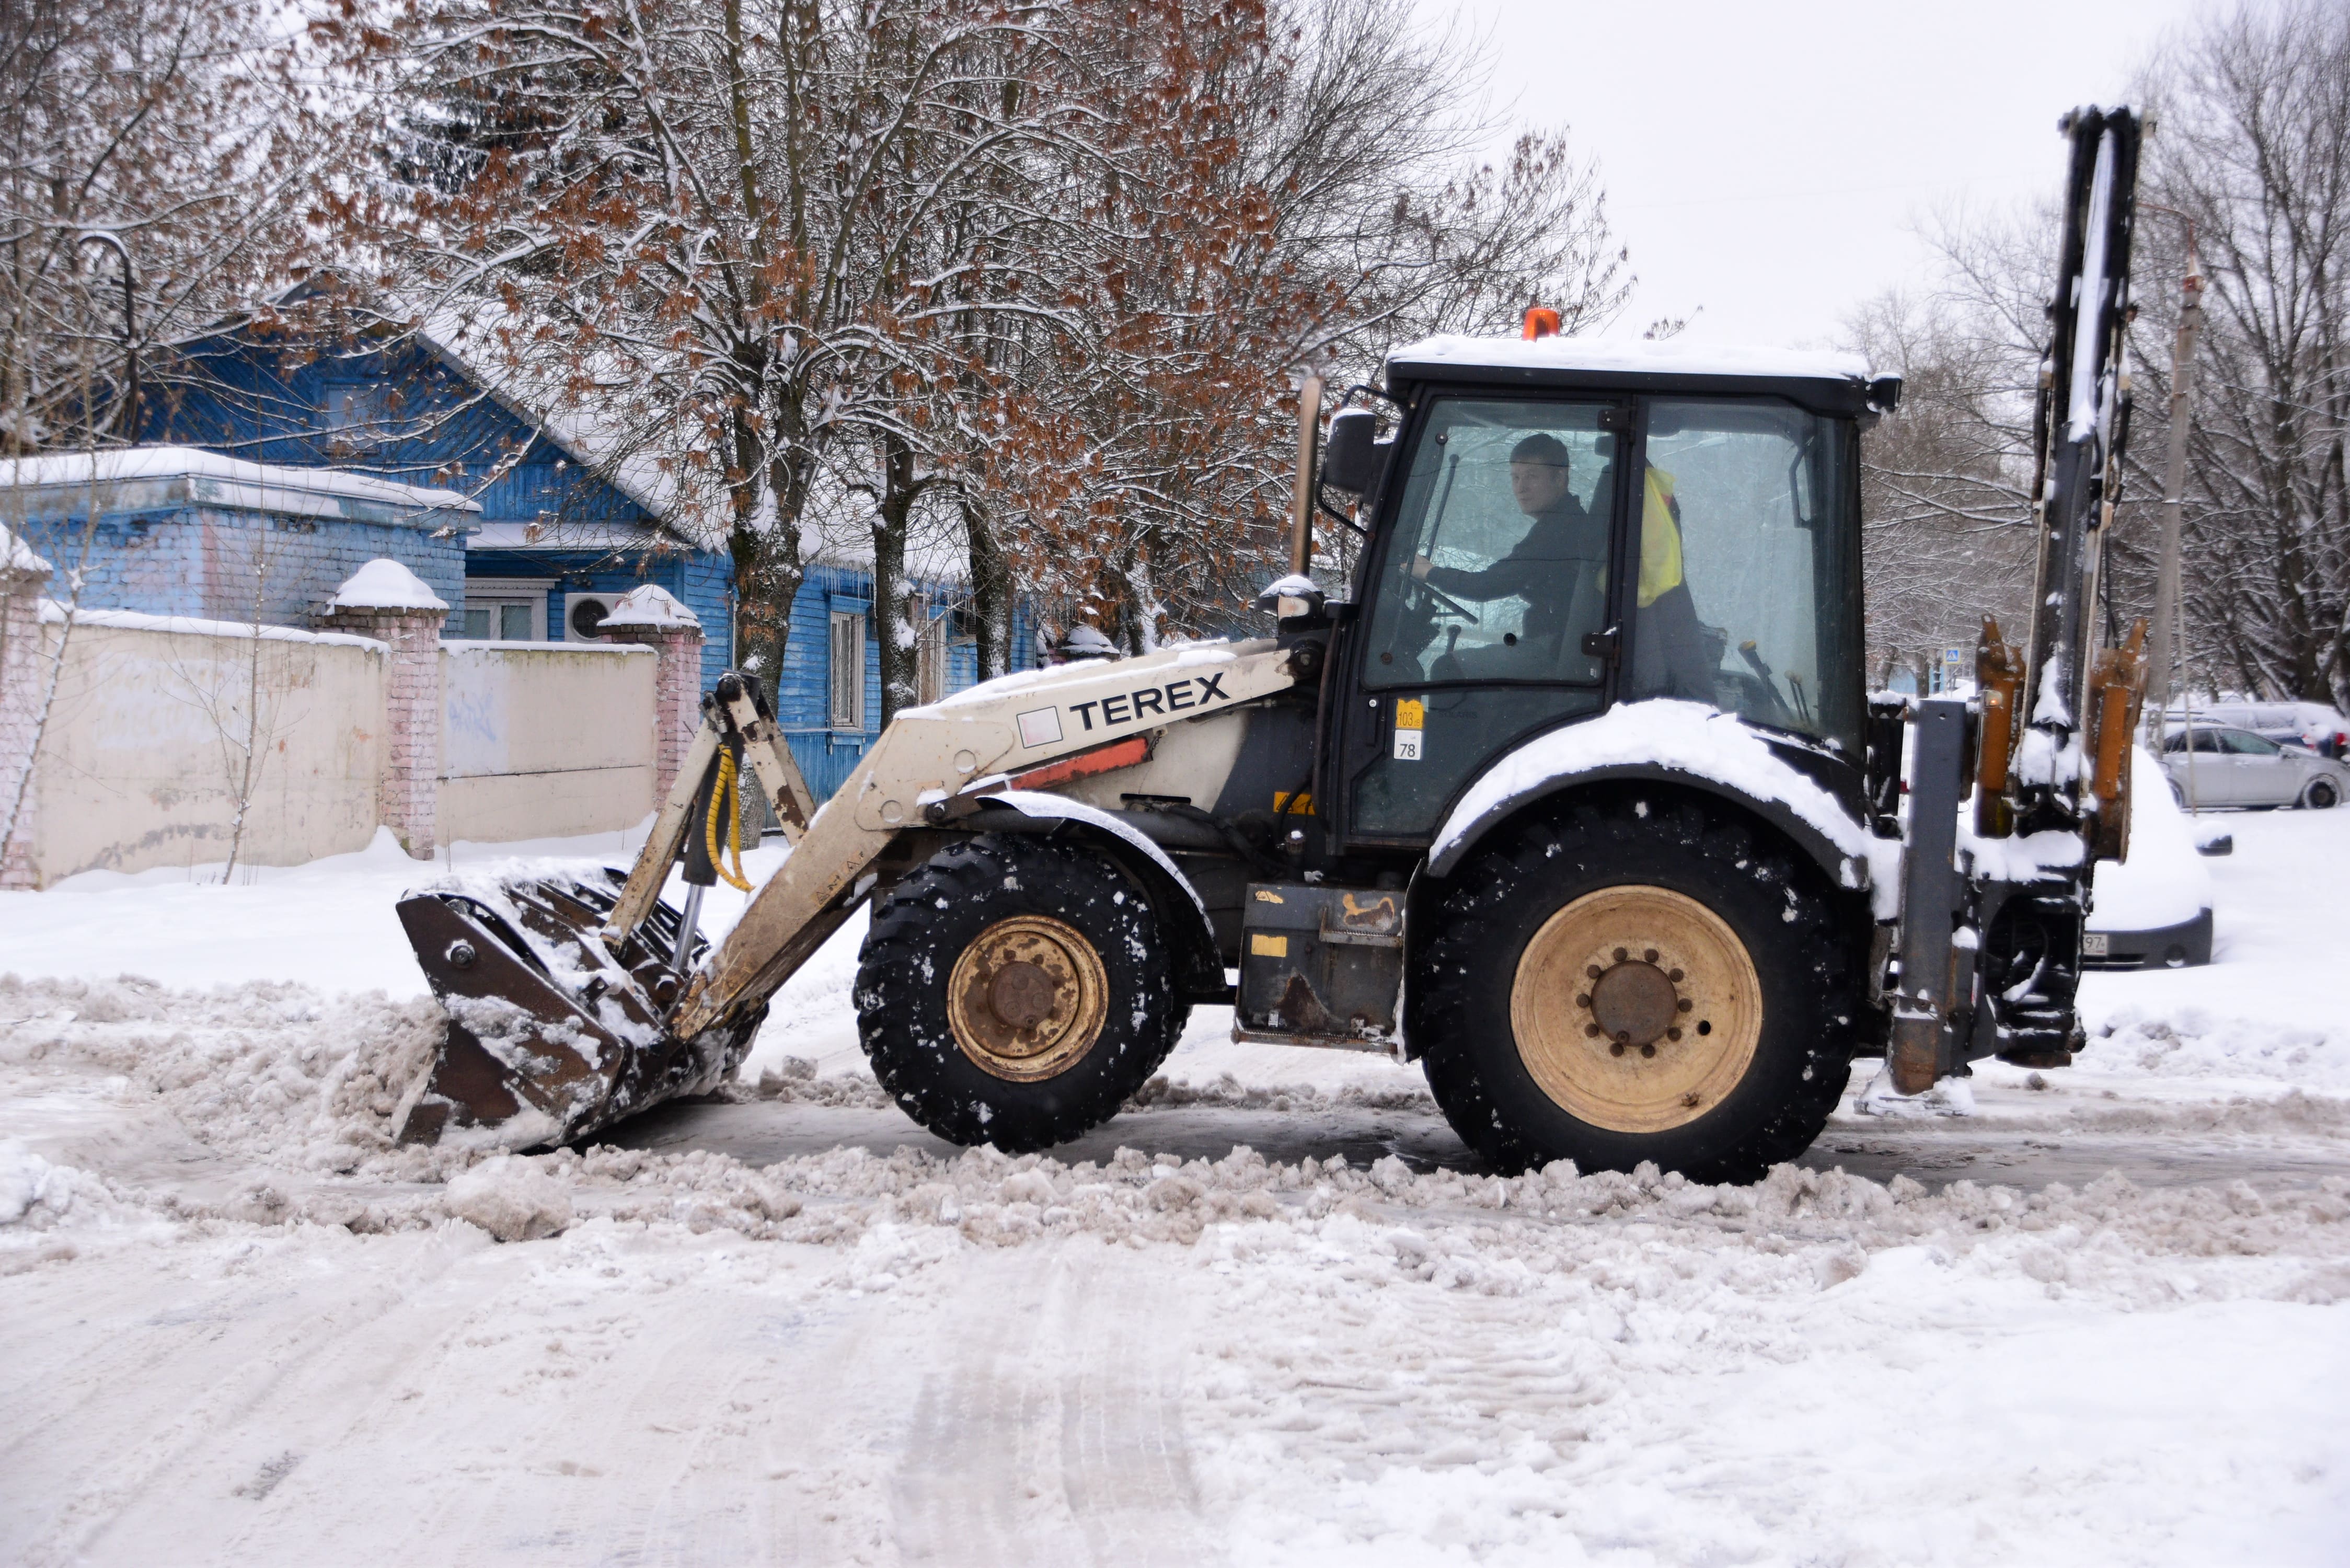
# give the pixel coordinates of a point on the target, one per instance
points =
(560, 533)
(555, 542)
(829, 699)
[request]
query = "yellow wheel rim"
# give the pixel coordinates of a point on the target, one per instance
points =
(1636, 1009)
(1027, 997)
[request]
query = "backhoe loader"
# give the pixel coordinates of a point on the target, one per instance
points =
(1573, 793)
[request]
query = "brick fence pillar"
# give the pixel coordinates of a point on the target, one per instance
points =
(23, 576)
(385, 600)
(652, 617)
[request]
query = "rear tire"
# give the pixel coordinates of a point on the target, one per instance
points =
(2321, 795)
(1015, 991)
(1638, 977)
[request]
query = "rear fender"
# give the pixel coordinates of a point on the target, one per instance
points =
(1846, 865)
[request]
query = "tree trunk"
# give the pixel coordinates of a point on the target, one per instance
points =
(893, 622)
(991, 592)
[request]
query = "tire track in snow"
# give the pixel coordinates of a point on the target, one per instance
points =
(1054, 1432)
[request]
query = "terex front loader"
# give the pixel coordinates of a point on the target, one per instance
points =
(1574, 796)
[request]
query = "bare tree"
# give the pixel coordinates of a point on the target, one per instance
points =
(243, 700)
(156, 159)
(2253, 148)
(1947, 523)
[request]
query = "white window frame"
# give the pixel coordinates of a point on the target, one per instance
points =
(845, 698)
(933, 667)
(493, 593)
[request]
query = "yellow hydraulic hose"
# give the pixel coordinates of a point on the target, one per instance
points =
(726, 800)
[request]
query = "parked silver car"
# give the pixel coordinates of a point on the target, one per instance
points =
(2310, 724)
(2228, 766)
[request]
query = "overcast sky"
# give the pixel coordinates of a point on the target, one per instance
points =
(1769, 161)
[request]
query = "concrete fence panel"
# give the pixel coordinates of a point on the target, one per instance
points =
(144, 760)
(540, 740)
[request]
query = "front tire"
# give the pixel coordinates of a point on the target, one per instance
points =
(2321, 795)
(1015, 990)
(1638, 977)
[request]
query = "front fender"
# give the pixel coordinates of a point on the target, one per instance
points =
(1199, 965)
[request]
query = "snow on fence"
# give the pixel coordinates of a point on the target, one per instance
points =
(173, 741)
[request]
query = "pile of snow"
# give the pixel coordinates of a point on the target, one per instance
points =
(258, 1072)
(384, 584)
(653, 605)
(2165, 881)
(2195, 1043)
(513, 1199)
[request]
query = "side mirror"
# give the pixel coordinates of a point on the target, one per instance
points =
(1290, 598)
(1351, 460)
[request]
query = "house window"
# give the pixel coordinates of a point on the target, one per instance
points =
(847, 670)
(501, 610)
(931, 659)
(355, 414)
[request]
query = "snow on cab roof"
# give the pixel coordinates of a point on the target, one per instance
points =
(1640, 355)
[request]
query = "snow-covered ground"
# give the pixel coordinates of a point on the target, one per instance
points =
(2104, 1320)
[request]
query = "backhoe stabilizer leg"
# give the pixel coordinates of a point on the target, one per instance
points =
(1926, 1001)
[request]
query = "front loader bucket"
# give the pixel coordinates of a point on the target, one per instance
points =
(551, 1034)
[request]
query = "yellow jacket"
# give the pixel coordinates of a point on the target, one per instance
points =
(1661, 539)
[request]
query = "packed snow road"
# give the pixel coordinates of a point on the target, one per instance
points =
(236, 1325)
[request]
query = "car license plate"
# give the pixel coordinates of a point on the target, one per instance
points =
(2095, 944)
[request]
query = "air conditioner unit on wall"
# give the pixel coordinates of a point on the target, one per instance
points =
(582, 613)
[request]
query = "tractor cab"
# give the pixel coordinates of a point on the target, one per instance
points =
(1555, 527)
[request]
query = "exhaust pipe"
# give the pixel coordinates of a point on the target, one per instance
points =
(1301, 495)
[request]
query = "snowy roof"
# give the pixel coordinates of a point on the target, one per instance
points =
(15, 555)
(208, 478)
(650, 605)
(560, 536)
(385, 584)
(614, 431)
(1645, 357)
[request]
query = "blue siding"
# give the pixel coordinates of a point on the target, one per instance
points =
(266, 401)
(265, 404)
(695, 578)
(826, 756)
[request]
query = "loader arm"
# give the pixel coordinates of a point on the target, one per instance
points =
(1989, 956)
(976, 743)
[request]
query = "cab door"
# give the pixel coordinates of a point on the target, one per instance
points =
(1490, 599)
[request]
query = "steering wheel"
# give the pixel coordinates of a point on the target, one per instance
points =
(1413, 580)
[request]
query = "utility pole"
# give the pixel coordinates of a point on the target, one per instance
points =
(2174, 483)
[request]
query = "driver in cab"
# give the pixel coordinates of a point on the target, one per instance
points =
(1557, 567)
(1564, 531)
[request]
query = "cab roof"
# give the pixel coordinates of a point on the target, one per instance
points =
(1822, 381)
